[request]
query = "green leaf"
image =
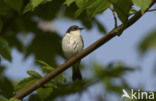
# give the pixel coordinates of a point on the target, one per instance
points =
(26, 82)
(43, 45)
(70, 88)
(122, 7)
(100, 27)
(3, 99)
(5, 49)
(1, 68)
(6, 87)
(68, 2)
(60, 78)
(44, 92)
(97, 7)
(15, 4)
(93, 7)
(82, 5)
(50, 84)
(111, 70)
(14, 41)
(13, 99)
(1, 25)
(149, 42)
(143, 4)
(52, 10)
(33, 4)
(4, 9)
(34, 97)
(45, 67)
(34, 74)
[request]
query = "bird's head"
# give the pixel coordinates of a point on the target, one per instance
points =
(74, 28)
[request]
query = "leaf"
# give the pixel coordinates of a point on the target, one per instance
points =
(4, 9)
(33, 4)
(70, 88)
(52, 10)
(122, 7)
(60, 78)
(97, 7)
(149, 42)
(93, 7)
(34, 74)
(100, 27)
(6, 87)
(13, 41)
(13, 99)
(3, 99)
(50, 84)
(1, 24)
(143, 4)
(111, 70)
(83, 18)
(15, 4)
(82, 5)
(69, 2)
(26, 82)
(45, 68)
(5, 49)
(34, 97)
(1, 68)
(44, 93)
(45, 46)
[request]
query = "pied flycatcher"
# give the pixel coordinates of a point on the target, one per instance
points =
(72, 44)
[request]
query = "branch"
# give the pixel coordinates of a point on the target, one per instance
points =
(151, 10)
(115, 18)
(124, 14)
(79, 56)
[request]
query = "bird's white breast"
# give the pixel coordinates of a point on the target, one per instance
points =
(72, 44)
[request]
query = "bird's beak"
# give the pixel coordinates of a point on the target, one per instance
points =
(81, 28)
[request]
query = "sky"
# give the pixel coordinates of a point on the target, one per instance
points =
(123, 48)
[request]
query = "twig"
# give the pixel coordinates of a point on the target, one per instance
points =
(151, 10)
(115, 18)
(79, 56)
(124, 14)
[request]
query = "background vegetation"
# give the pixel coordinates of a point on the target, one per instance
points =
(22, 18)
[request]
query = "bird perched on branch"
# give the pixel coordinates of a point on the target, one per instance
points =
(72, 44)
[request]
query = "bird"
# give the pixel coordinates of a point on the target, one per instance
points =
(72, 44)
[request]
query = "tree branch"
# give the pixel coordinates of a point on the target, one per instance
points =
(124, 14)
(79, 56)
(115, 18)
(151, 10)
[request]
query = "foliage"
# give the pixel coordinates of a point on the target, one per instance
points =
(4, 99)
(143, 4)
(5, 49)
(149, 42)
(23, 17)
(35, 76)
(111, 72)
(6, 87)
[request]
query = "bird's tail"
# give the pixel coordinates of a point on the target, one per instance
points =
(76, 72)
